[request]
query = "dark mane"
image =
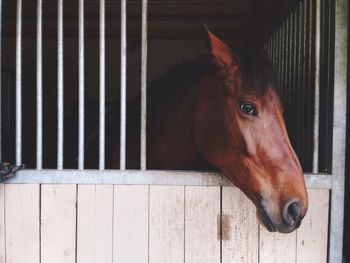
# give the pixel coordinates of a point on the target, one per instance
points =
(167, 91)
(258, 71)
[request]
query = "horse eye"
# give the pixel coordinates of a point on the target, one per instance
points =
(248, 108)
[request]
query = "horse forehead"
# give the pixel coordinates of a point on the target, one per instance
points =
(271, 100)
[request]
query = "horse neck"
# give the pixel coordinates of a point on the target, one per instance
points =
(172, 145)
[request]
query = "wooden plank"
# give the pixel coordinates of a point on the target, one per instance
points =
(58, 223)
(202, 224)
(2, 224)
(167, 215)
(130, 227)
(277, 247)
(312, 235)
(95, 223)
(240, 229)
(22, 223)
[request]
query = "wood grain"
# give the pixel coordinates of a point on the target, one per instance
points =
(130, 226)
(22, 223)
(167, 217)
(312, 236)
(202, 224)
(277, 247)
(58, 223)
(2, 224)
(95, 223)
(240, 230)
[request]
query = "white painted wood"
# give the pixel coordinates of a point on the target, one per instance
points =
(277, 247)
(240, 230)
(312, 235)
(130, 227)
(95, 223)
(2, 224)
(202, 224)
(167, 215)
(22, 223)
(58, 223)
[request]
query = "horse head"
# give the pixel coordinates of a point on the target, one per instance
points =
(240, 129)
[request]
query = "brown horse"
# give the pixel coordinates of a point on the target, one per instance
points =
(221, 112)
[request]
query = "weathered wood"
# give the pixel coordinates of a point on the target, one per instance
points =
(167, 215)
(130, 227)
(22, 223)
(312, 236)
(277, 247)
(202, 224)
(95, 223)
(58, 223)
(2, 224)
(240, 230)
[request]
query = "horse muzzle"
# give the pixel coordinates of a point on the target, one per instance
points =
(288, 220)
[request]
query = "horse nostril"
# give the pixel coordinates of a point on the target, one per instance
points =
(292, 213)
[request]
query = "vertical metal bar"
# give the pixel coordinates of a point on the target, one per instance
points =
(102, 88)
(81, 87)
(279, 64)
(39, 89)
(275, 49)
(273, 54)
(144, 87)
(339, 131)
(123, 87)
(283, 62)
(19, 83)
(296, 87)
(316, 122)
(60, 102)
(306, 88)
(272, 50)
(301, 86)
(288, 70)
(293, 76)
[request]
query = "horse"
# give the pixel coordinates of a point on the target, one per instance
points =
(219, 112)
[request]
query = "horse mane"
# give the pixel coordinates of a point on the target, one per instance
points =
(168, 90)
(258, 71)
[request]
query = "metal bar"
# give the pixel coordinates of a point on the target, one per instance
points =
(60, 101)
(283, 62)
(81, 87)
(339, 131)
(19, 83)
(123, 54)
(297, 87)
(39, 89)
(279, 64)
(293, 89)
(152, 177)
(143, 164)
(272, 55)
(102, 109)
(316, 122)
(302, 98)
(274, 49)
(288, 71)
(305, 87)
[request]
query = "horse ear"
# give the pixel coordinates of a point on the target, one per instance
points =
(221, 53)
